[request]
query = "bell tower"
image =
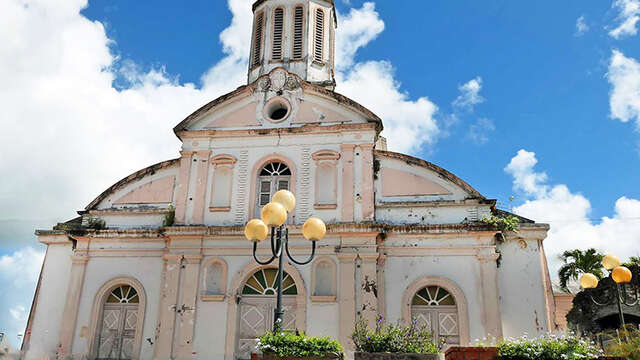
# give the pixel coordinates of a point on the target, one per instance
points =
(298, 35)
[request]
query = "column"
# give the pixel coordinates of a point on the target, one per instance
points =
(491, 301)
(184, 175)
(367, 190)
(201, 187)
(70, 312)
(168, 306)
(187, 308)
(346, 298)
(347, 182)
(369, 289)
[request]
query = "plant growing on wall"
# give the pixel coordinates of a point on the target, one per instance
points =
(170, 217)
(507, 223)
(96, 224)
(289, 345)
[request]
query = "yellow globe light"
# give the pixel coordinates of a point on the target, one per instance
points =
(314, 229)
(588, 281)
(621, 275)
(610, 262)
(256, 230)
(286, 199)
(274, 214)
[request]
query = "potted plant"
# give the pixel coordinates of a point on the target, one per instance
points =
(393, 342)
(549, 347)
(290, 346)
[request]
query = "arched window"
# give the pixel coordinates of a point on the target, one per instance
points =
(264, 282)
(318, 47)
(324, 280)
(258, 27)
(273, 177)
(215, 280)
(278, 27)
(436, 308)
(298, 32)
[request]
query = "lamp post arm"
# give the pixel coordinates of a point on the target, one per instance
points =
(255, 256)
(313, 253)
(629, 300)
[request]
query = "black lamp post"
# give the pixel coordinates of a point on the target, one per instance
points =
(618, 293)
(274, 215)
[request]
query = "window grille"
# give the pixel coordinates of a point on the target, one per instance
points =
(278, 24)
(298, 32)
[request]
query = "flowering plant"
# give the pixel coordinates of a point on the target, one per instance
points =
(298, 345)
(549, 347)
(413, 338)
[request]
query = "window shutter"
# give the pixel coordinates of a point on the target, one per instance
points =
(278, 25)
(298, 32)
(319, 36)
(257, 40)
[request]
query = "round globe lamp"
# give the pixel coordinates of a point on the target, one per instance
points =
(256, 230)
(314, 229)
(286, 199)
(588, 281)
(621, 275)
(611, 262)
(274, 214)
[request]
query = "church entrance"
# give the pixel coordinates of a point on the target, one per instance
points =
(436, 308)
(118, 324)
(257, 306)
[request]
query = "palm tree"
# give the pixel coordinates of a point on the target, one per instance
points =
(577, 262)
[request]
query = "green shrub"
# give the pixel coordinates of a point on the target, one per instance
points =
(393, 338)
(548, 348)
(627, 344)
(288, 344)
(96, 224)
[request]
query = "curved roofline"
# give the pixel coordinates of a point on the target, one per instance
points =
(304, 84)
(136, 175)
(443, 172)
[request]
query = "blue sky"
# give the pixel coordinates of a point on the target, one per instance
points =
(536, 100)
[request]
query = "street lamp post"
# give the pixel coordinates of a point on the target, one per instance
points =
(621, 276)
(273, 217)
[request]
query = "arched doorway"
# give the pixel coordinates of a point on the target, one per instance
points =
(257, 306)
(436, 308)
(118, 324)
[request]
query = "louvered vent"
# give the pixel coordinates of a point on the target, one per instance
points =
(257, 40)
(298, 32)
(319, 38)
(278, 19)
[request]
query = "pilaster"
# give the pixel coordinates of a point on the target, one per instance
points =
(183, 186)
(491, 301)
(346, 298)
(70, 312)
(367, 182)
(369, 288)
(347, 182)
(168, 307)
(201, 187)
(187, 310)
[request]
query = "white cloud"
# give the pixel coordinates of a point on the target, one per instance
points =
(480, 130)
(624, 78)
(409, 124)
(568, 214)
(628, 18)
(19, 274)
(469, 94)
(581, 26)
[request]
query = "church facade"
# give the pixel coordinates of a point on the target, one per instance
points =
(157, 266)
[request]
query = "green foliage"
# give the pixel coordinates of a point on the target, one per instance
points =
(169, 217)
(577, 262)
(393, 338)
(626, 343)
(634, 260)
(548, 348)
(505, 224)
(288, 344)
(96, 224)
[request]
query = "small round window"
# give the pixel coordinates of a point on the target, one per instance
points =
(277, 109)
